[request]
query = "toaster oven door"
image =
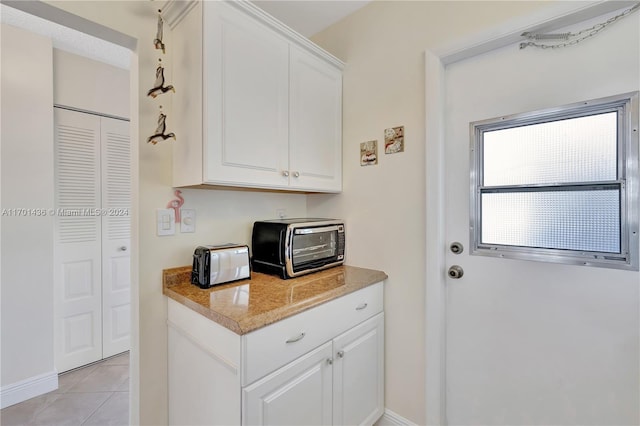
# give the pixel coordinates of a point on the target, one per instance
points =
(314, 247)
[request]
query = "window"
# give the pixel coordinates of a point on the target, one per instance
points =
(558, 185)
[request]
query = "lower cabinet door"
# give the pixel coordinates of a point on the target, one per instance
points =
(300, 393)
(358, 374)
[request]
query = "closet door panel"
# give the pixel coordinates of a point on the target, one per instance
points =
(77, 235)
(116, 235)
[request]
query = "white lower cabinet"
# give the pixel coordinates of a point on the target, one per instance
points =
(358, 374)
(324, 366)
(339, 383)
(300, 393)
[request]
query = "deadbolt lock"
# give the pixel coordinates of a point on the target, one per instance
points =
(456, 248)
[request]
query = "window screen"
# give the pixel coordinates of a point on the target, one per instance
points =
(558, 185)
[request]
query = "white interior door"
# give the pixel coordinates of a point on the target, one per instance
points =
(532, 342)
(116, 236)
(77, 258)
(92, 238)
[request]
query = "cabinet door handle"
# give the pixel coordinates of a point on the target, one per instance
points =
(330, 361)
(296, 174)
(340, 354)
(297, 338)
(285, 173)
(361, 307)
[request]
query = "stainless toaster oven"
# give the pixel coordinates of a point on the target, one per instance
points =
(293, 247)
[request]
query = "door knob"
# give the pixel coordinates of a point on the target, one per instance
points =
(455, 272)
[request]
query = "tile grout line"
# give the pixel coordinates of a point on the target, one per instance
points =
(97, 408)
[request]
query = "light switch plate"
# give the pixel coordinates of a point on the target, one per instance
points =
(166, 222)
(187, 220)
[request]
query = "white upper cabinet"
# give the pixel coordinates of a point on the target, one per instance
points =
(315, 123)
(256, 105)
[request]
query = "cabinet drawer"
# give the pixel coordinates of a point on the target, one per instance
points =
(271, 347)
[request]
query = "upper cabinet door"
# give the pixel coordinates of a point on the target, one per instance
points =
(246, 79)
(315, 114)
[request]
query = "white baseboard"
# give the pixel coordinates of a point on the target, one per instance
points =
(389, 418)
(27, 389)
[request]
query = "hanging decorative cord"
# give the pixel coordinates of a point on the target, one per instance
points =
(571, 39)
(157, 42)
(160, 88)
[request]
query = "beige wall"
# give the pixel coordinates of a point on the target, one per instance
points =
(90, 85)
(384, 206)
(27, 183)
(222, 216)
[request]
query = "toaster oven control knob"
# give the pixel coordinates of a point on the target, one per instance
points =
(296, 174)
(285, 173)
(455, 272)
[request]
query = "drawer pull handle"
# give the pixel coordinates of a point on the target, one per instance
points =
(361, 307)
(297, 338)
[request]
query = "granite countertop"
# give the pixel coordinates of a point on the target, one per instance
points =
(246, 305)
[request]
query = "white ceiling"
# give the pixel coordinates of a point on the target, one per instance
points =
(309, 17)
(68, 39)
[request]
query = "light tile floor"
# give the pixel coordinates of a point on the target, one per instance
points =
(97, 394)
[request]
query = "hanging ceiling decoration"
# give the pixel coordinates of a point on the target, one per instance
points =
(160, 134)
(160, 88)
(157, 42)
(570, 39)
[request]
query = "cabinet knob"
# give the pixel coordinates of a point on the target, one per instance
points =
(330, 361)
(296, 174)
(285, 173)
(340, 354)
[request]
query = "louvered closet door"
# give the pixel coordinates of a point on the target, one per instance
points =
(77, 257)
(116, 235)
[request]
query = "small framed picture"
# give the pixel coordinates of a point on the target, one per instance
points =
(394, 140)
(369, 153)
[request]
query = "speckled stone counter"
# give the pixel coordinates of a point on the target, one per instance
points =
(247, 305)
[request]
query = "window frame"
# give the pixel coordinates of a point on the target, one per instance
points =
(626, 106)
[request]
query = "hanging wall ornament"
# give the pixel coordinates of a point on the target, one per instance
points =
(160, 135)
(159, 87)
(157, 42)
